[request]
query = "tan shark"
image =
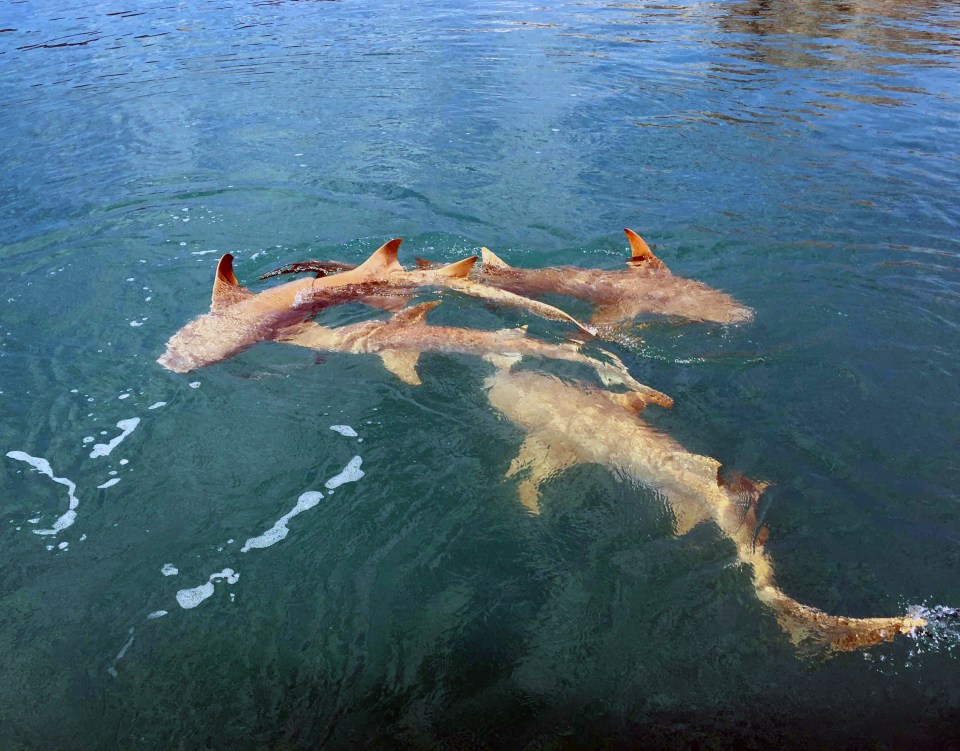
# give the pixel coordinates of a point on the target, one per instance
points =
(239, 318)
(567, 425)
(401, 340)
(646, 286)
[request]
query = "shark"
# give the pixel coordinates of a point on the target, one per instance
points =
(239, 318)
(565, 424)
(645, 287)
(400, 340)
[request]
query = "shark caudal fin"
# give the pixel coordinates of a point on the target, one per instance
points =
(226, 289)
(747, 494)
(640, 253)
(491, 260)
(384, 259)
(458, 270)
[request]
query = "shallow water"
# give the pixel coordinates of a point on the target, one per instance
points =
(802, 156)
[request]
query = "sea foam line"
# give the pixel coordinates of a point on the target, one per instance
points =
(104, 449)
(280, 529)
(43, 466)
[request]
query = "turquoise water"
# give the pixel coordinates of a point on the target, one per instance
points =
(802, 156)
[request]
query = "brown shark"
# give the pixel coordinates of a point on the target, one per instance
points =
(239, 318)
(566, 425)
(646, 286)
(401, 340)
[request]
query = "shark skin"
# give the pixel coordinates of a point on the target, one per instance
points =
(646, 287)
(400, 341)
(240, 318)
(567, 425)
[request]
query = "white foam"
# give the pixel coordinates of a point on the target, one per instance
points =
(123, 650)
(156, 614)
(88, 439)
(104, 449)
(201, 252)
(280, 530)
(43, 466)
(124, 396)
(124, 462)
(350, 473)
(190, 598)
(63, 545)
(194, 384)
(109, 483)
(344, 430)
(169, 570)
(157, 405)
(135, 324)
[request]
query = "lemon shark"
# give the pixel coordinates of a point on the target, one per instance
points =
(239, 318)
(566, 425)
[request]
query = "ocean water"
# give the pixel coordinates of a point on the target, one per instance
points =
(200, 561)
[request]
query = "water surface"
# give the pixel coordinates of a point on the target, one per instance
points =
(802, 156)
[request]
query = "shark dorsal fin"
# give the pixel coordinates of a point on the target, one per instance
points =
(424, 265)
(414, 315)
(226, 289)
(492, 260)
(459, 270)
(384, 259)
(640, 253)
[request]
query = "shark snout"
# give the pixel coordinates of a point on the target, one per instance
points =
(176, 362)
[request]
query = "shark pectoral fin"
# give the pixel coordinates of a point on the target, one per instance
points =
(544, 461)
(384, 259)
(310, 335)
(686, 518)
(489, 258)
(640, 253)
(403, 364)
(226, 289)
(458, 270)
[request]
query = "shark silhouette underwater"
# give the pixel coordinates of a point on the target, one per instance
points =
(645, 287)
(565, 424)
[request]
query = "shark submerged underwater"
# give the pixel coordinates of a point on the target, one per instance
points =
(564, 423)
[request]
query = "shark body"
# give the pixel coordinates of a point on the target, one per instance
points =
(239, 318)
(401, 340)
(566, 425)
(645, 287)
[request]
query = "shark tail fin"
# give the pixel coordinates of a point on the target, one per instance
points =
(226, 289)
(491, 260)
(458, 270)
(747, 494)
(640, 253)
(384, 259)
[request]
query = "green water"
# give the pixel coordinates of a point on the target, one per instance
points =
(801, 156)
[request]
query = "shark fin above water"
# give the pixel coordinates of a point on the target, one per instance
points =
(458, 270)
(492, 260)
(640, 254)
(543, 461)
(415, 315)
(384, 259)
(226, 289)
